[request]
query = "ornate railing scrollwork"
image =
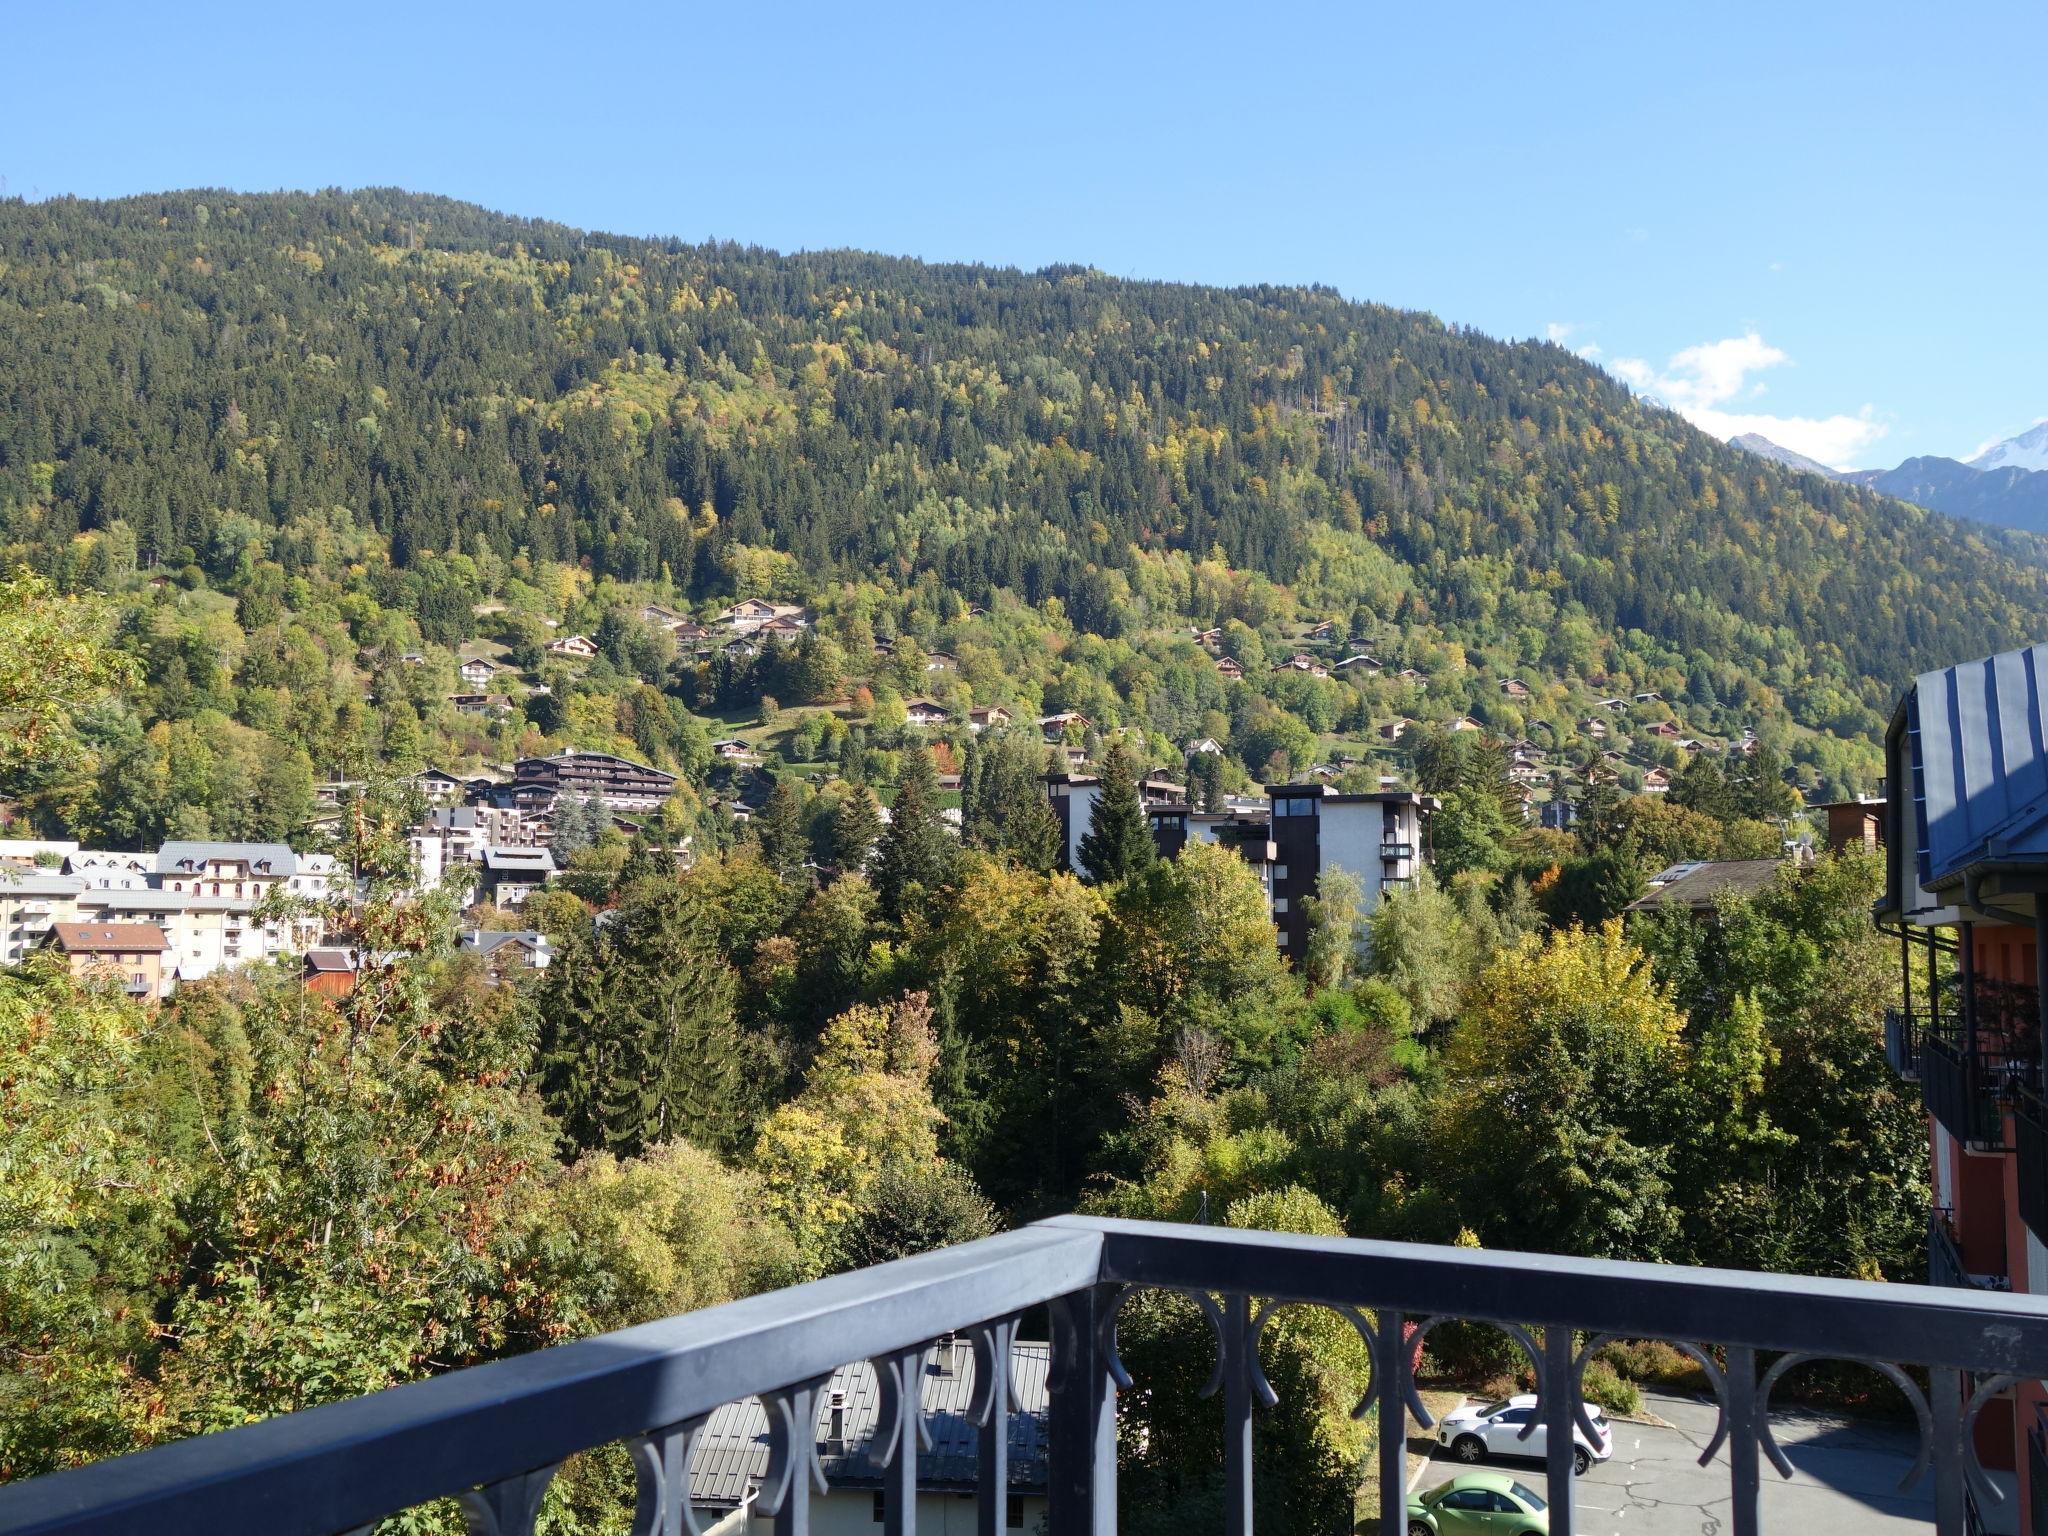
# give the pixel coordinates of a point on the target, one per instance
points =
(506, 1508)
(661, 1480)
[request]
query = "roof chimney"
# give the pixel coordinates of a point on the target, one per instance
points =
(835, 1421)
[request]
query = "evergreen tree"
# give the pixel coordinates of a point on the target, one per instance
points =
(638, 1043)
(1700, 786)
(779, 831)
(856, 828)
(580, 822)
(917, 851)
(1118, 843)
(1761, 792)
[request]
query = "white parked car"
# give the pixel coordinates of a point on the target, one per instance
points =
(1475, 1433)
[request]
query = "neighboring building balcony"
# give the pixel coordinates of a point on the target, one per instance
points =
(2030, 1158)
(1393, 850)
(492, 1436)
(1902, 1032)
(1945, 1265)
(1967, 1090)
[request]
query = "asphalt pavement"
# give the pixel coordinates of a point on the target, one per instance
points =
(1845, 1479)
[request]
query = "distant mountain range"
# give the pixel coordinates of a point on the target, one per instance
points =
(2006, 485)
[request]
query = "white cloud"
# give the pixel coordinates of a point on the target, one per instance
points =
(1701, 381)
(1561, 333)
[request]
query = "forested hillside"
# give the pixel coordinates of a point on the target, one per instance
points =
(341, 487)
(273, 395)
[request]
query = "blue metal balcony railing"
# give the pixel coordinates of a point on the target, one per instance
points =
(1902, 1032)
(493, 1435)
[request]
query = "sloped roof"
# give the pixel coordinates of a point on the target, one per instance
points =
(488, 940)
(39, 883)
(177, 858)
(1977, 738)
(734, 1450)
(109, 938)
(1698, 885)
(520, 860)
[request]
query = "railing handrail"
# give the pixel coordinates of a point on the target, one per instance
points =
(342, 1465)
(346, 1464)
(1906, 1324)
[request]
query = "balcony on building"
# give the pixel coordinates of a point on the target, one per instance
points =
(751, 1416)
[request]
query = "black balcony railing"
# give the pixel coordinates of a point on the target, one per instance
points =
(1945, 1260)
(492, 1436)
(1902, 1031)
(1967, 1090)
(2030, 1156)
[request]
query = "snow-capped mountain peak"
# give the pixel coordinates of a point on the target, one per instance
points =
(2027, 451)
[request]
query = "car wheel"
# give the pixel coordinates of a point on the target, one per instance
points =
(1468, 1448)
(1581, 1459)
(1419, 1528)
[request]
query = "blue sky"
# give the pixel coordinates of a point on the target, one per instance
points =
(1828, 222)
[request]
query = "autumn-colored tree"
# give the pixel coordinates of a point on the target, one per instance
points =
(1555, 1100)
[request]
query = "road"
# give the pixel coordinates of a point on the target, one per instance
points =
(1845, 1480)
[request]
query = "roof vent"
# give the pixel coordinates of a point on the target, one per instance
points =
(835, 1421)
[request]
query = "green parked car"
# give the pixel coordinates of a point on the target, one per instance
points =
(1479, 1504)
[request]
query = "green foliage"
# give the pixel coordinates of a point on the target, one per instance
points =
(1118, 843)
(1555, 1081)
(917, 852)
(638, 1043)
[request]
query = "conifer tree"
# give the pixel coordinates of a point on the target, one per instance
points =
(1118, 843)
(779, 831)
(856, 828)
(917, 851)
(638, 1041)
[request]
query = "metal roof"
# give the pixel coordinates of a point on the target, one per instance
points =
(16, 883)
(733, 1453)
(1697, 885)
(1975, 737)
(179, 858)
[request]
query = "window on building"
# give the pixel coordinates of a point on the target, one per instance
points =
(1279, 905)
(878, 1507)
(1013, 1517)
(1279, 871)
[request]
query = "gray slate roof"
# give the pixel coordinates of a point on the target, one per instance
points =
(1975, 735)
(523, 861)
(733, 1452)
(17, 883)
(181, 858)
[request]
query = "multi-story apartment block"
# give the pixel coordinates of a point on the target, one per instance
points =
(1300, 831)
(243, 870)
(31, 903)
(129, 955)
(1375, 838)
(1965, 830)
(623, 785)
(203, 897)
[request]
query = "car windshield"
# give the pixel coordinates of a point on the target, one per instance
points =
(1528, 1496)
(1487, 1413)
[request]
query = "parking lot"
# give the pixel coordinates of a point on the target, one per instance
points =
(1845, 1481)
